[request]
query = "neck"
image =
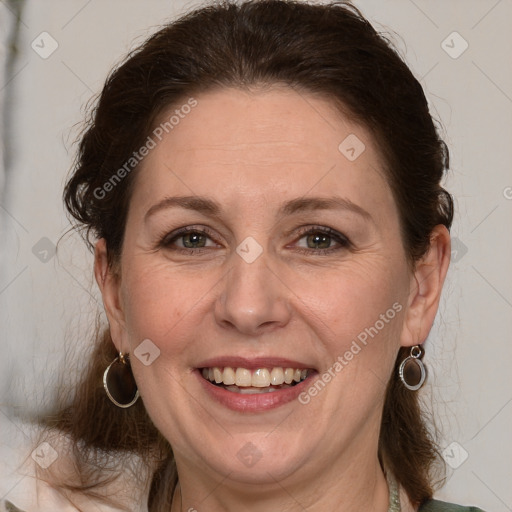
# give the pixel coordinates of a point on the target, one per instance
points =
(356, 487)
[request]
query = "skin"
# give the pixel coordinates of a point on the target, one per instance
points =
(251, 152)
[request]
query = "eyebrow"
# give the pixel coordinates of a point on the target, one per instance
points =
(198, 204)
(323, 203)
(210, 207)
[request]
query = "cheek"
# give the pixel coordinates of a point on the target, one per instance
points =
(159, 300)
(348, 300)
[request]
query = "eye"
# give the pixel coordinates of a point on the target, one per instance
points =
(318, 241)
(321, 240)
(193, 240)
(188, 239)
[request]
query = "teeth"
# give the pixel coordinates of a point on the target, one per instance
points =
(217, 375)
(228, 376)
(243, 377)
(288, 375)
(261, 378)
(258, 378)
(277, 376)
(254, 391)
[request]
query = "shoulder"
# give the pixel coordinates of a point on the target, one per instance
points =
(31, 494)
(30, 477)
(441, 506)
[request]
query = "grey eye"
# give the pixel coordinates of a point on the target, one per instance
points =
(194, 240)
(319, 241)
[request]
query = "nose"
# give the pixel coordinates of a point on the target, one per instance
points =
(253, 299)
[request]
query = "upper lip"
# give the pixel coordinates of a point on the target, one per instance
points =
(252, 363)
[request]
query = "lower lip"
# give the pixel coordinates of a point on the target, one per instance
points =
(259, 402)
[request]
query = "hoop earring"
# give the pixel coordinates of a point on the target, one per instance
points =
(412, 371)
(119, 382)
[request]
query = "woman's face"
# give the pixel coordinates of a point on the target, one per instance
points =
(262, 236)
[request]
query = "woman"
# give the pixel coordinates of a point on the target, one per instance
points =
(261, 183)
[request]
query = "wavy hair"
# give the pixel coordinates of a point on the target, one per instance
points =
(326, 49)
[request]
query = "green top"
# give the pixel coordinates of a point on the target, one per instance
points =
(441, 506)
(9, 507)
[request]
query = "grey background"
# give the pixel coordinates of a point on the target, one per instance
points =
(48, 302)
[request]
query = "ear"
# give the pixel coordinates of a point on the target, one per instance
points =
(109, 284)
(426, 286)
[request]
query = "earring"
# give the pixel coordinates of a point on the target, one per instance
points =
(412, 371)
(119, 382)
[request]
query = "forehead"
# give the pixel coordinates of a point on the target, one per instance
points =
(265, 143)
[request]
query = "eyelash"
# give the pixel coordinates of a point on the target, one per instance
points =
(343, 242)
(167, 240)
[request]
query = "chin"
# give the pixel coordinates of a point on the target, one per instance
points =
(257, 462)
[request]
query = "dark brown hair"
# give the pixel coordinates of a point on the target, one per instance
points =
(330, 50)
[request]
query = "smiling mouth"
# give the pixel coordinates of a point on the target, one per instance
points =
(259, 380)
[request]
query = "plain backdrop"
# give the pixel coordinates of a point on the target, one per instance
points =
(459, 49)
